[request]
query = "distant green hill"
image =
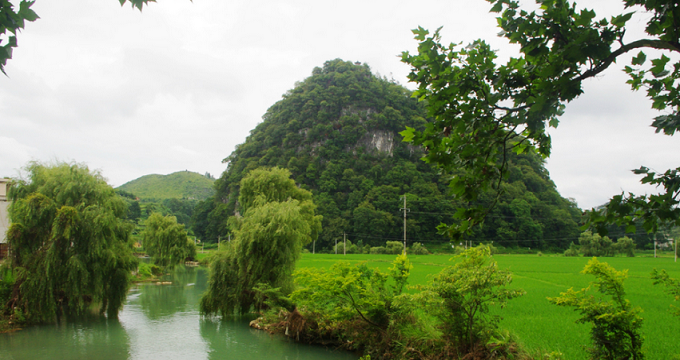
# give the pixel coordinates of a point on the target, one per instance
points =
(180, 185)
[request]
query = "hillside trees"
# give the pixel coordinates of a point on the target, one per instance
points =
(337, 133)
(278, 220)
(483, 111)
(70, 243)
(166, 241)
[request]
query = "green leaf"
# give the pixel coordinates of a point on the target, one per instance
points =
(620, 21)
(408, 134)
(639, 59)
(25, 11)
(497, 7)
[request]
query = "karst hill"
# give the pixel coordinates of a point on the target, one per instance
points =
(337, 132)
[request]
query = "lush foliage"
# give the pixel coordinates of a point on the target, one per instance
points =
(596, 245)
(70, 243)
(336, 132)
(166, 241)
(277, 222)
(356, 307)
(482, 110)
(616, 331)
(345, 292)
(537, 323)
(465, 291)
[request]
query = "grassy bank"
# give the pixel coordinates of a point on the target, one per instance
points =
(541, 325)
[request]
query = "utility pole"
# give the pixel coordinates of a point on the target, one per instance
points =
(336, 246)
(654, 248)
(405, 210)
(344, 244)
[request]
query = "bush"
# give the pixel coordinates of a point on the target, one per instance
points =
(463, 294)
(418, 249)
(378, 250)
(616, 325)
(572, 251)
(351, 248)
(394, 247)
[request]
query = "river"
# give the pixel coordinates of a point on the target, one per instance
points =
(158, 322)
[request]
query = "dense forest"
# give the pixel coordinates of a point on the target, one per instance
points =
(337, 133)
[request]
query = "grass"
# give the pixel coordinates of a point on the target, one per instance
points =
(541, 325)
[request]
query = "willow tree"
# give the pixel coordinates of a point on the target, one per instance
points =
(278, 220)
(166, 240)
(70, 243)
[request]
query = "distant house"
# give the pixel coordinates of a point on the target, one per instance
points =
(4, 217)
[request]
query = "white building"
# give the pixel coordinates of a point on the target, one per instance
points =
(4, 216)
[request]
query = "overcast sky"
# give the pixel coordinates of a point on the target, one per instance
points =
(179, 85)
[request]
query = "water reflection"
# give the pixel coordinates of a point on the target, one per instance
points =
(158, 322)
(234, 339)
(84, 338)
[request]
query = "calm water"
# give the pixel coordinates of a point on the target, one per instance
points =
(158, 322)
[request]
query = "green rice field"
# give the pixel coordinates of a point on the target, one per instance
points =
(541, 325)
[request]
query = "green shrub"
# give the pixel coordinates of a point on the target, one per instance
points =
(351, 248)
(394, 247)
(616, 325)
(572, 251)
(460, 296)
(418, 249)
(378, 250)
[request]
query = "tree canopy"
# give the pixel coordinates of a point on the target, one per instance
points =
(70, 243)
(483, 110)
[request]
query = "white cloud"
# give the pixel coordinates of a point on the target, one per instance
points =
(179, 85)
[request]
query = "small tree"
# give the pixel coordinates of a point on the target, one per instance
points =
(166, 240)
(464, 293)
(616, 324)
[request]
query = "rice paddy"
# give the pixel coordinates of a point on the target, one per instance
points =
(542, 325)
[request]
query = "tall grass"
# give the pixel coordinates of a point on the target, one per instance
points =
(541, 325)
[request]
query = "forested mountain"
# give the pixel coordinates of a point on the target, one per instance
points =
(337, 133)
(178, 185)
